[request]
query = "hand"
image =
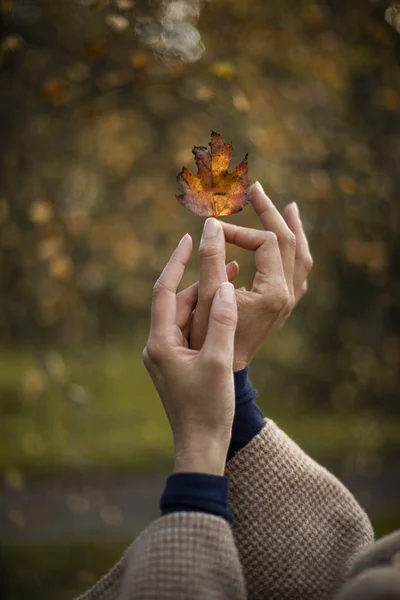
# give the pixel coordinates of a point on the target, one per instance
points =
(283, 262)
(196, 387)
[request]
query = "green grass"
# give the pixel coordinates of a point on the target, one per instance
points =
(123, 425)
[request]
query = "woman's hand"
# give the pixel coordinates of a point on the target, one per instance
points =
(196, 387)
(283, 262)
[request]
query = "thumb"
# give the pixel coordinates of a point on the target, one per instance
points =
(219, 343)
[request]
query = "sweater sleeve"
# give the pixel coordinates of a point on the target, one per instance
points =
(296, 527)
(179, 556)
(196, 492)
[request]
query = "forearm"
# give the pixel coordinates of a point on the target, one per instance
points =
(184, 555)
(179, 556)
(297, 528)
(284, 505)
(190, 550)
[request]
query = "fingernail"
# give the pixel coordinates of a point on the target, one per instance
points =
(259, 186)
(183, 239)
(296, 209)
(211, 228)
(232, 263)
(227, 292)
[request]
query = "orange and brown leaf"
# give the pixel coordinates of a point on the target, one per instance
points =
(213, 192)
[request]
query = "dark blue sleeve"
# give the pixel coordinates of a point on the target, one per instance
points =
(248, 420)
(201, 492)
(196, 492)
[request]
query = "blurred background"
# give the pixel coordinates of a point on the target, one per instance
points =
(101, 103)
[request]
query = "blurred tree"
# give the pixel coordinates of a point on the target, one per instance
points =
(101, 103)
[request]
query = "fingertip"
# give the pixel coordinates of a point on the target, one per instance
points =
(257, 187)
(211, 227)
(291, 216)
(259, 198)
(226, 292)
(185, 246)
(232, 270)
(184, 240)
(287, 210)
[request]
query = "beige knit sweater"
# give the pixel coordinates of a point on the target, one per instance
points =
(295, 533)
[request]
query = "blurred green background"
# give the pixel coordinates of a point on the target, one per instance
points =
(100, 104)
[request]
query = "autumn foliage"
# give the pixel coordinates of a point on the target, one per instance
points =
(213, 191)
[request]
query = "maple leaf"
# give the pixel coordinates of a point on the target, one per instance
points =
(213, 192)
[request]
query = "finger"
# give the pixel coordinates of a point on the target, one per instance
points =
(267, 257)
(272, 220)
(163, 306)
(244, 237)
(303, 258)
(187, 299)
(186, 328)
(232, 270)
(218, 346)
(212, 273)
(211, 259)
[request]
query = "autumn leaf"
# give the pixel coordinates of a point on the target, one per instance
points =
(213, 192)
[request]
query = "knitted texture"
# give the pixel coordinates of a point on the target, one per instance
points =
(297, 528)
(108, 587)
(297, 532)
(182, 556)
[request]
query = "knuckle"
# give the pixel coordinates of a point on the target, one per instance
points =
(303, 289)
(279, 299)
(158, 288)
(153, 353)
(290, 304)
(206, 295)
(145, 357)
(210, 253)
(308, 263)
(217, 363)
(290, 239)
(270, 237)
(224, 319)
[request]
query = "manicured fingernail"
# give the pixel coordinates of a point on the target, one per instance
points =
(211, 228)
(227, 292)
(259, 186)
(183, 239)
(296, 209)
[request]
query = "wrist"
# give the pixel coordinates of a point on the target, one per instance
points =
(240, 364)
(201, 456)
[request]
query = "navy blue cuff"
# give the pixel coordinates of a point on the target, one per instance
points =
(249, 419)
(196, 492)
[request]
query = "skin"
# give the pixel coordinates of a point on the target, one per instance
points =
(200, 334)
(283, 262)
(195, 386)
